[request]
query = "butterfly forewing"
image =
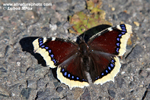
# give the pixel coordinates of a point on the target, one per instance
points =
(54, 50)
(112, 40)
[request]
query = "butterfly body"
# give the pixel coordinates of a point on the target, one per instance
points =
(93, 60)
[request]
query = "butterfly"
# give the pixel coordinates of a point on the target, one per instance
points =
(92, 59)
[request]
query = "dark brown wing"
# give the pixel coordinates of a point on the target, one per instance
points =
(106, 67)
(111, 40)
(72, 73)
(54, 50)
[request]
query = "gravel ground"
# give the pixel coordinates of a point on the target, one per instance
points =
(21, 77)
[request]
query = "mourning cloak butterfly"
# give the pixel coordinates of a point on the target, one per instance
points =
(83, 62)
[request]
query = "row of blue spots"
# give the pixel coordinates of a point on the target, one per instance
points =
(47, 48)
(123, 27)
(109, 68)
(68, 75)
(119, 37)
(40, 41)
(118, 43)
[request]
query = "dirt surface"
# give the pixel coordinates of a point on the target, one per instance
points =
(22, 78)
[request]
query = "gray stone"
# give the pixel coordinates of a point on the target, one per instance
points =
(1, 14)
(62, 6)
(3, 70)
(26, 92)
(135, 52)
(146, 95)
(86, 95)
(112, 93)
(121, 2)
(120, 82)
(56, 84)
(147, 39)
(123, 16)
(31, 84)
(59, 89)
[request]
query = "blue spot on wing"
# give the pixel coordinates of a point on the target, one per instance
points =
(106, 71)
(118, 44)
(42, 46)
(72, 77)
(54, 61)
(112, 60)
(120, 35)
(123, 32)
(77, 78)
(52, 56)
(40, 41)
(68, 75)
(46, 48)
(49, 51)
(65, 73)
(118, 39)
(111, 65)
(63, 70)
(109, 68)
(117, 49)
(102, 74)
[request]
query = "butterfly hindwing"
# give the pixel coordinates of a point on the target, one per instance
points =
(72, 72)
(106, 66)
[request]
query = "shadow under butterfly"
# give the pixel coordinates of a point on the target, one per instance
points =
(92, 58)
